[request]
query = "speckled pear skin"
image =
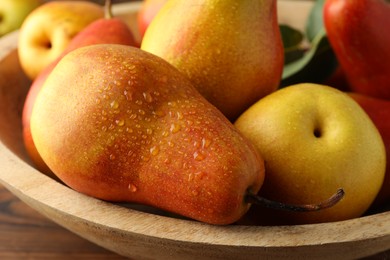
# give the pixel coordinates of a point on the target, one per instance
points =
(230, 49)
(315, 139)
(120, 124)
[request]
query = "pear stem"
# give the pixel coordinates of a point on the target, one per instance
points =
(107, 9)
(331, 201)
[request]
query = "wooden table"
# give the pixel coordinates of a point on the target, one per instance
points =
(26, 234)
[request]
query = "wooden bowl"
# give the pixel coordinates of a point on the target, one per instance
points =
(140, 234)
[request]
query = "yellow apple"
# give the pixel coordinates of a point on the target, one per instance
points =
(315, 139)
(13, 13)
(46, 32)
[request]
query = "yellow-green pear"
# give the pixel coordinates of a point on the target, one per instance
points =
(121, 124)
(230, 49)
(315, 139)
(13, 13)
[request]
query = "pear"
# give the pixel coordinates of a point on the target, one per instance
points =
(352, 26)
(105, 30)
(314, 139)
(230, 49)
(379, 111)
(120, 124)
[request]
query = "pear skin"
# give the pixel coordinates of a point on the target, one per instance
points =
(358, 34)
(120, 124)
(230, 49)
(105, 30)
(379, 112)
(314, 140)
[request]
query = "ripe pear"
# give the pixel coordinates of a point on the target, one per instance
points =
(358, 32)
(230, 49)
(379, 112)
(315, 139)
(120, 124)
(105, 30)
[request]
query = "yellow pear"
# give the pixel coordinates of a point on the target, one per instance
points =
(315, 139)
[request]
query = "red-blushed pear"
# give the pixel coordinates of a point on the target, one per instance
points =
(121, 124)
(147, 12)
(315, 139)
(26, 115)
(358, 32)
(231, 50)
(104, 30)
(379, 112)
(47, 31)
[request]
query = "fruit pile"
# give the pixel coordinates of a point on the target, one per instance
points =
(208, 116)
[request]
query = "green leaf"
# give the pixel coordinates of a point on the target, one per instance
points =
(293, 55)
(292, 40)
(290, 36)
(315, 23)
(315, 65)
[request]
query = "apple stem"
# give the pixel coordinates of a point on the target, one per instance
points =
(334, 199)
(108, 10)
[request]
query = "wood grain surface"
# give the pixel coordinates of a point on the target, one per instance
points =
(26, 234)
